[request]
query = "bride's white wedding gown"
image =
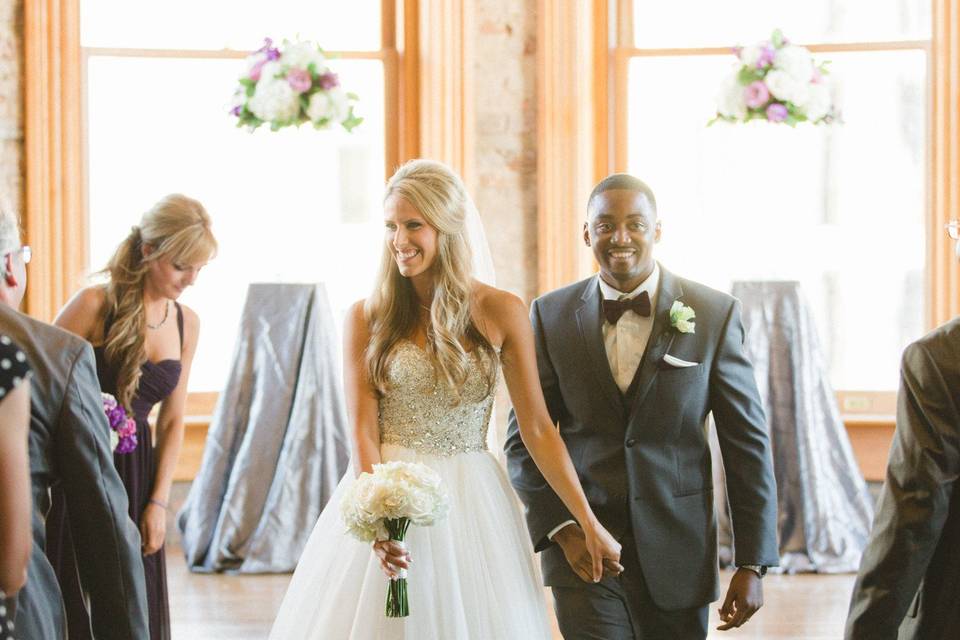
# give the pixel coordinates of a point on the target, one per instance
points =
(472, 575)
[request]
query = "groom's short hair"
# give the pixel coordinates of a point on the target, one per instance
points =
(622, 181)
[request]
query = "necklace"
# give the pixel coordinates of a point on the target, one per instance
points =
(166, 314)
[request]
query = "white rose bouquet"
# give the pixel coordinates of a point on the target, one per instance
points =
(382, 505)
(290, 85)
(776, 81)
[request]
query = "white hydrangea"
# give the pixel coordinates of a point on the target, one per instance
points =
(749, 55)
(818, 102)
(301, 54)
(786, 87)
(274, 100)
(795, 61)
(270, 71)
(330, 105)
(730, 100)
(394, 490)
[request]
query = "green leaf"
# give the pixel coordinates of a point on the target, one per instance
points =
(351, 121)
(748, 75)
(776, 39)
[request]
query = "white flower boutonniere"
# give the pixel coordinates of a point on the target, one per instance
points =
(682, 317)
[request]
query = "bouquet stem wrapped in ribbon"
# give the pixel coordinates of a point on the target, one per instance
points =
(397, 604)
(382, 505)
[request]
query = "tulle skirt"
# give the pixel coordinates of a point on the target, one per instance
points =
(472, 575)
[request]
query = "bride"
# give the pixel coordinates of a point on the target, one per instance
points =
(421, 361)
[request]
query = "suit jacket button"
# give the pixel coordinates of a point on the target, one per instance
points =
(631, 442)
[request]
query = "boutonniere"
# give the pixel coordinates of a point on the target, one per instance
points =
(682, 317)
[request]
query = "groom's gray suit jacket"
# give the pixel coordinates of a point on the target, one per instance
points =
(70, 446)
(643, 457)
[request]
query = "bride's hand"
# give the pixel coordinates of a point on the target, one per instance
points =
(393, 557)
(602, 547)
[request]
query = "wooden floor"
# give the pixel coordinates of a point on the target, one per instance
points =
(241, 607)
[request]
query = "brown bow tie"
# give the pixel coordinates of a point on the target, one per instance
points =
(613, 309)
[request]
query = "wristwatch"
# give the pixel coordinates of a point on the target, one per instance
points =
(758, 569)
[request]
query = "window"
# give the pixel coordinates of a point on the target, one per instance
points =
(843, 209)
(292, 206)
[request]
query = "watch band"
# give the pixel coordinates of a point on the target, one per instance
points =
(758, 569)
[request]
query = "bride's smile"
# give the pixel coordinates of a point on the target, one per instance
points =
(412, 239)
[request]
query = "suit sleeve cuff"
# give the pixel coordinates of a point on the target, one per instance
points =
(556, 529)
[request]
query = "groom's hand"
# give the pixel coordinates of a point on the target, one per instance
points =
(744, 598)
(573, 543)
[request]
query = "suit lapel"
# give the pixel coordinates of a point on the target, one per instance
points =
(591, 335)
(661, 337)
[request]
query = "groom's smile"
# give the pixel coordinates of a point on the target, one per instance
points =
(622, 228)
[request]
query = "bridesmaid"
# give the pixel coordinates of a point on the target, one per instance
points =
(16, 502)
(144, 342)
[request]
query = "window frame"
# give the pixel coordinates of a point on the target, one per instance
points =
(941, 283)
(426, 48)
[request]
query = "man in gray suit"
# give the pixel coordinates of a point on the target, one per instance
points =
(631, 362)
(909, 580)
(70, 445)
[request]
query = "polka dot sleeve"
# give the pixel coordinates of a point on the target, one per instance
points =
(14, 367)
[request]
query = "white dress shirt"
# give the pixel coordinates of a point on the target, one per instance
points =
(625, 341)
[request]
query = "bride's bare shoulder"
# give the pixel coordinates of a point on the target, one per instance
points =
(356, 321)
(497, 307)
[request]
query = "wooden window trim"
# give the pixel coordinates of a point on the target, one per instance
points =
(54, 185)
(445, 54)
(613, 48)
(55, 211)
(943, 51)
(567, 167)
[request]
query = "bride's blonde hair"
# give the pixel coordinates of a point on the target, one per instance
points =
(392, 311)
(177, 228)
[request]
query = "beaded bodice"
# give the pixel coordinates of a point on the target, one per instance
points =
(420, 413)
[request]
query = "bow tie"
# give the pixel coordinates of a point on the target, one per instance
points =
(613, 309)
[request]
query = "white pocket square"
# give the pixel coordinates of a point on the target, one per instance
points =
(677, 362)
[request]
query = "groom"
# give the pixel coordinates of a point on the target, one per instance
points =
(630, 377)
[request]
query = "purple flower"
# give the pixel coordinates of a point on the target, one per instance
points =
(299, 80)
(777, 112)
(256, 69)
(237, 110)
(127, 444)
(271, 51)
(123, 425)
(756, 94)
(116, 416)
(328, 80)
(128, 428)
(765, 59)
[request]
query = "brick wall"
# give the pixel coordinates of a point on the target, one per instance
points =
(11, 110)
(505, 157)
